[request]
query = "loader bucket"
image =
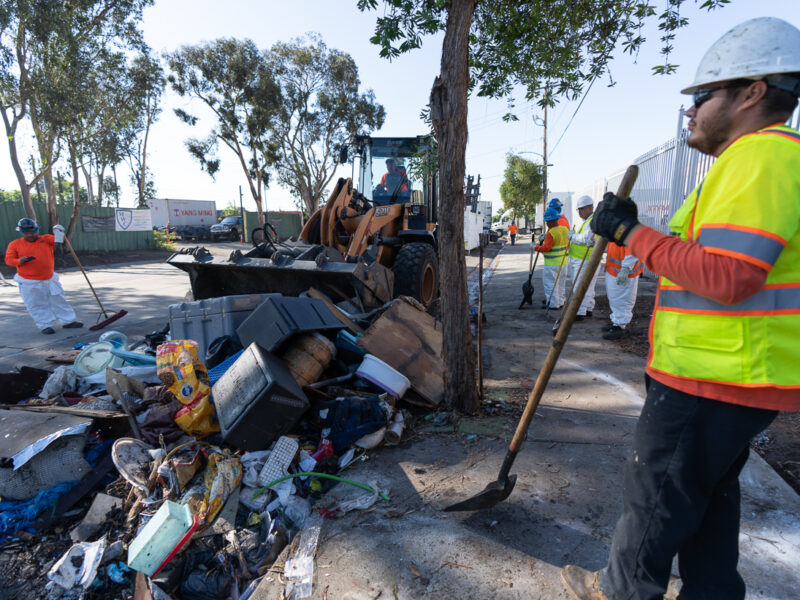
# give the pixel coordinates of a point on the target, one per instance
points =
(213, 276)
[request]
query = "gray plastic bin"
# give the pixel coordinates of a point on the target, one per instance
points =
(205, 320)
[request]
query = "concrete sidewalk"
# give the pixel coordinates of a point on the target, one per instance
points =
(568, 494)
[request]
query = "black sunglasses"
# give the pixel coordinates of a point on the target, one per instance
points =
(701, 96)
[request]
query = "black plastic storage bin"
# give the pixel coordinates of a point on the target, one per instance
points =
(257, 400)
(280, 317)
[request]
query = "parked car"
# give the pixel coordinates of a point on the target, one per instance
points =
(227, 229)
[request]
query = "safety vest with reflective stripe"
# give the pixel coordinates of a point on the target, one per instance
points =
(555, 255)
(579, 250)
(747, 207)
(615, 255)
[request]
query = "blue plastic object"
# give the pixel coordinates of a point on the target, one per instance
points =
(216, 372)
(161, 537)
(555, 203)
(135, 358)
(347, 341)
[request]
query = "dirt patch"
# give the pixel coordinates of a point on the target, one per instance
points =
(97, 258)
(637, 341)
(779, 445)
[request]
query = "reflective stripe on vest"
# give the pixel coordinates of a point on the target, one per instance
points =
(613, 266)
(579, 250)
(555, 255)
(756, 184)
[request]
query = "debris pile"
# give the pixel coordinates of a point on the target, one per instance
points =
(203, 463)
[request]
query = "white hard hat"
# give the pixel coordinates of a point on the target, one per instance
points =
(752, 50)
(584, 201)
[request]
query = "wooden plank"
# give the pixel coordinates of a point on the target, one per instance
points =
(410, 341)
(315, 293)
(67, 410)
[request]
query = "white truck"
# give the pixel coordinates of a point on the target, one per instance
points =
(174, 212)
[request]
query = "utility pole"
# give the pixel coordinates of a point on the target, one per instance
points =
(241, 212)
(544, 166)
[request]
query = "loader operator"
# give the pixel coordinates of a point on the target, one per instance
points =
(394, 181)
(724, 331)
(41, 292)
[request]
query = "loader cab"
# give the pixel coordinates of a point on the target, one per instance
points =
(390, 172)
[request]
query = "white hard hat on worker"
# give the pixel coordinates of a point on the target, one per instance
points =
(763, 48)
(584, 201)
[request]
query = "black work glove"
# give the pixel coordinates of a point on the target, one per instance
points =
(614, 218)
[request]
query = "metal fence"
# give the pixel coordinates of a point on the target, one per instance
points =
(667, 174)
(11, 212)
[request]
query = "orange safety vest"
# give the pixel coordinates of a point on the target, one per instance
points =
(615, 255)
(513, 229)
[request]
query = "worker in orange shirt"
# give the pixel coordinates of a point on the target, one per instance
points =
(512, 232)
(394, 181)
(32, 255)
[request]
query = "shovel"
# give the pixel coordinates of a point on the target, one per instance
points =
(527, 287)
(499, 490)
(108, 320)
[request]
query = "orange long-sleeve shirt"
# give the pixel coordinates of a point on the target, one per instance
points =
(721, 278)
(42, 249)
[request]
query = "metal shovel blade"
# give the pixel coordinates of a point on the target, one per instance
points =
(527, 293)
(494, 493)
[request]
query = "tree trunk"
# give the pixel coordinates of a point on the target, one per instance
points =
(76, 196)
(11, 129)
(143, 172)
(449, 115)
(52, 199)
(100, 174)
(89, 185)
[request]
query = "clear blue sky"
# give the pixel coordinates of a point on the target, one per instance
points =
(614, 125)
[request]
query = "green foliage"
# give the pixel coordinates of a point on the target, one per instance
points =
(321, 108)
(522, 186)
(551, 48)
(162, 242)
(231, 210)
(233, 79)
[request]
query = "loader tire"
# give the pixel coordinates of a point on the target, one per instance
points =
(416, 272)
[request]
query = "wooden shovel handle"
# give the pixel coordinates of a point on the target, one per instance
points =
(80, 266)
(624, 191)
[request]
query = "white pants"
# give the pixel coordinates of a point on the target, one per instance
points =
(548, 279)
(588, 299)
(45, 301)
(621, 298)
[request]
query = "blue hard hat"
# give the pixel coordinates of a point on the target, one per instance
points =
(552, 214)
(555, 203)
(27, 224)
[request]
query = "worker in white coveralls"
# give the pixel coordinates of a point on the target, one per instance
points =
(580, 249)
(32, 255)
(622, 283)
(553, 246)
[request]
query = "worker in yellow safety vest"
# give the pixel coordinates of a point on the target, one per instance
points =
(580, 249)
(725, 328)
(553, 246)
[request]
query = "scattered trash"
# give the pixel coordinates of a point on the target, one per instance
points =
(78, 566)
(161, 538)
(299, 569)
(98, 513)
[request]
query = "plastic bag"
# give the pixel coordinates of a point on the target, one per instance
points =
(185, 375)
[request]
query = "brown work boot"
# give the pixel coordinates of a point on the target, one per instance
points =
(582, 583)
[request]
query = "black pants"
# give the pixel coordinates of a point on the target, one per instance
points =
(513, 238)
(681, 496)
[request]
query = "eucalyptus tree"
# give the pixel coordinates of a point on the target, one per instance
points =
(547, 48)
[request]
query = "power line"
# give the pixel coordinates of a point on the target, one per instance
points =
(573, 116)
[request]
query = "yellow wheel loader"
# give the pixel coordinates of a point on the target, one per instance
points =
(369, 246)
